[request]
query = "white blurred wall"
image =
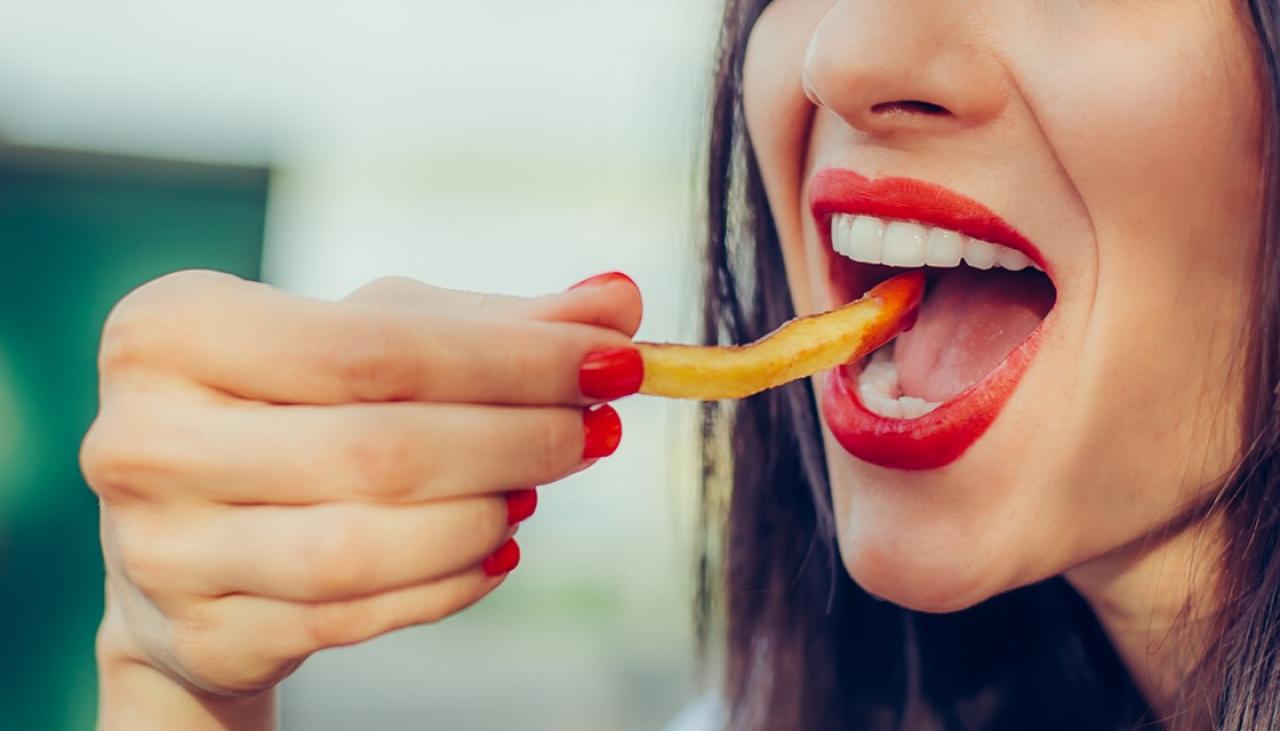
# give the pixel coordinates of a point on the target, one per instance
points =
(504, 145)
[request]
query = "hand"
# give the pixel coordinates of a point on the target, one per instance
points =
(279, 475)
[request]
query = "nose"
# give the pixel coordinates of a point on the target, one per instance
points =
(891, 67)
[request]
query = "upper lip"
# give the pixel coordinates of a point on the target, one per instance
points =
(834, 190)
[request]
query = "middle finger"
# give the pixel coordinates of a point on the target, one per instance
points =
(341, 551)
(384, 453)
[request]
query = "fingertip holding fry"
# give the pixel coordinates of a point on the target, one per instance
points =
(611, 373)
(798, 349)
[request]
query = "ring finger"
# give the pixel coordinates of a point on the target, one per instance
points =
(342, 551)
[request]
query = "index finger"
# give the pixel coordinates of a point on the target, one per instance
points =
(610, 300)
(258, 343)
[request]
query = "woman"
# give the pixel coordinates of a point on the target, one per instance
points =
(1048, 505)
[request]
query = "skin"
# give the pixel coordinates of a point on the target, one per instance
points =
(293, 474)
(259, 474)
(1090, 129)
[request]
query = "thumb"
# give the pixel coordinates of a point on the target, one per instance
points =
(609, 300)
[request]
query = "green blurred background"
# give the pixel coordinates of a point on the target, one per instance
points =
(78, 232)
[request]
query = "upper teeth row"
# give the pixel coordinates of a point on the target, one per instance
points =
(872, 240)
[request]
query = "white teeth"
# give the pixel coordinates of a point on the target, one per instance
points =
(943, 248)
(866, 238)
(889, 408)
(871, 240)
(868, 394)
(914, 408)
(903, 244)
(840, 239)
(1013, 260)
(979, 254)
(879, 392)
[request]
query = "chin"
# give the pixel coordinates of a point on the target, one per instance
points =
(921, 562)
(946, 539)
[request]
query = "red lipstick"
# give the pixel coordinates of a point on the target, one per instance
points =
(941, 436)
(934, 440)
(833, 191)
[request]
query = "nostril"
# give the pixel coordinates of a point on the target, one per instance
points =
(909, 106)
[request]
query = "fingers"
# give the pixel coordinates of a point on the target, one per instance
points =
(340, 551)
(261, 344)
(381, 453)
(609, 300)
(286, 630)
(242, 644)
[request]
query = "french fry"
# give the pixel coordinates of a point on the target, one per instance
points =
(798, 349)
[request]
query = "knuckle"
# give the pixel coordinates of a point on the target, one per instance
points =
(98, 460)
(110, 462)
(202, 648)
(189, 283)
(333, 624)
(493, 521)
(485, 522)
(190, 646)
(560, 441)
(391, 283)
(336, 560)
(211, 643)
(142, 321)
(128, 336)
(379, 365)
(143, 558)
(390, 290)
(488, 303)
(380, 459)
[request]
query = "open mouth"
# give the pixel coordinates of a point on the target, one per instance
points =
(920, 401)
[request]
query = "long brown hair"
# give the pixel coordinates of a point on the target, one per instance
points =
(806, 648)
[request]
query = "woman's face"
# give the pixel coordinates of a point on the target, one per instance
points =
(1072, 412)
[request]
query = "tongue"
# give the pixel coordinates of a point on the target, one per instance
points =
(968, 323)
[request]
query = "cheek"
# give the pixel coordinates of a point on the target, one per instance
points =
(1166, 164)
(1143, 415)
(778, 117)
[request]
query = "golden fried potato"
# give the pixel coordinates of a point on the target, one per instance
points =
(799, 348)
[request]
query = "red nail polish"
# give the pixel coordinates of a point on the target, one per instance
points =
(600, 280)
(503, 560)
(602, 432)
(521, 504)
(610, 374)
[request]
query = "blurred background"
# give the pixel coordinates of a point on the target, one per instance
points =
(504, 145)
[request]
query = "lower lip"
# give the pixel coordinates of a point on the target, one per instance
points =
(934, 440)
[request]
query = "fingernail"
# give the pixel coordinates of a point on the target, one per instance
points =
(600, 280)
(521, 504)
(503, 560)
(610, 374)
(602, 432)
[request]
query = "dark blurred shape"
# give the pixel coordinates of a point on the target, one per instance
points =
(78, 231)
